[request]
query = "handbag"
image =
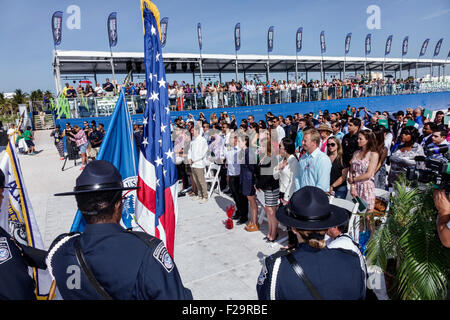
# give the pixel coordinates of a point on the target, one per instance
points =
(301, 274)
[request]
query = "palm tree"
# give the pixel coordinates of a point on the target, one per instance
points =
(49, 94)
(421, 267)
(19, 98)
(36, 97)
(3, 104)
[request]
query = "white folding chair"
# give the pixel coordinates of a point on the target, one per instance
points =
(260, 203)
(353, 223)
(213, 179)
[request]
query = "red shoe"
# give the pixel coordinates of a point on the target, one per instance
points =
(82, 168)
(62, 158)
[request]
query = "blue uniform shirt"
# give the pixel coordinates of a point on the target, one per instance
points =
(336, 274)
(126, 266)
(15, 282)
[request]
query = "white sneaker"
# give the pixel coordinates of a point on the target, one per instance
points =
(195, 198)
(204, 200)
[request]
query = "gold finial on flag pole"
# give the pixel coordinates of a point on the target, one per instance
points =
(152, 7)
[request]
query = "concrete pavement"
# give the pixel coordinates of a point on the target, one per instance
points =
(214, 262)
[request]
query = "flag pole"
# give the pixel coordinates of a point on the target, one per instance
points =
(51, 293)
(237, 66)
(130, 128)
(112, 66)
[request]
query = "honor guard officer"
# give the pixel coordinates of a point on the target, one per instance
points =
(312, 271)
(15, 258)
(107, 261)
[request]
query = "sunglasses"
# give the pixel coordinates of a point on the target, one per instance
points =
(331, 144)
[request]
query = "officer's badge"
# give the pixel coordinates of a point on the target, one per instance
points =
(263, 275)
(5, 252)
(163, 257)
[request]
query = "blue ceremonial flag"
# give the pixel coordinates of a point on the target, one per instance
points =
(112, 29)
(348, 38)
(156, 206)
(18, 219)
(164, 24)
(438, 47)
(405, 46)
(119, 148)
(298, 39)
(368, 43)
(388, 45)
(270, 39)
(237, 37)
(199, 35)
(322, 42)
(424, 47)
(57, 27)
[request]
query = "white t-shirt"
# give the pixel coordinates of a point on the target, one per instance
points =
(99, 90)
(280, 133)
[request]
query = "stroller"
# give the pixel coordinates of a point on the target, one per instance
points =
(72, 153)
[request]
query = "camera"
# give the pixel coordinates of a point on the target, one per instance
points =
(435, 167)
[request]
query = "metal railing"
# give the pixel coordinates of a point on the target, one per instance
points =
(83, 107)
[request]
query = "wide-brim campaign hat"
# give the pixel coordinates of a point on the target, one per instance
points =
(98, 176)
(309, 209)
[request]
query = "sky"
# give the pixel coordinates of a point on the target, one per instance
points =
(26, 42)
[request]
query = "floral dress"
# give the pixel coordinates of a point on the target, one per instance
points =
(364, 189)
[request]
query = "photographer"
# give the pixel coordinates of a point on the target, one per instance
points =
(443, 220)
(439, 138)
(404, 156)
(79, 137)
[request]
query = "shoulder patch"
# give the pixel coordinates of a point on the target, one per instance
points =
(162, 256)
(5, 252)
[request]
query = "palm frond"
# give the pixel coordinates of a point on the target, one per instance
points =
(409, 236)
(422, 271)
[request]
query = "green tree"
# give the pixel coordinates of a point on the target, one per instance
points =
(3, 104)
(37, 95)
(49, 94)
(36, 98)
(19, 98)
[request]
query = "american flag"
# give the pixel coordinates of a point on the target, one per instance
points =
(156, 210)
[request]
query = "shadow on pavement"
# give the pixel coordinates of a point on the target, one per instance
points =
(223, 202)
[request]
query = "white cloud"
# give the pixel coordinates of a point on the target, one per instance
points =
(436, 14)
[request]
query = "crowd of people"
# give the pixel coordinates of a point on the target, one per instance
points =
(293, 162)
(21, 138)
(345, 154)
(86, 141)
(183, 96)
